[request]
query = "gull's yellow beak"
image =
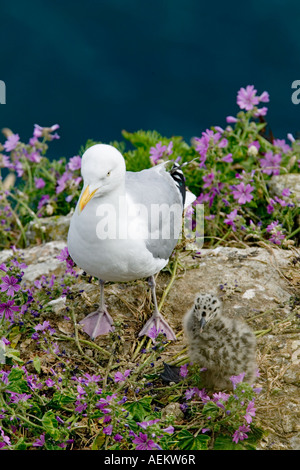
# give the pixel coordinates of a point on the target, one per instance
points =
(85, 198)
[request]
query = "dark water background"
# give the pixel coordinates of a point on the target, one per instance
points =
(97, 67)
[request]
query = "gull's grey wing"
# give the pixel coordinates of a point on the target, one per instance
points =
(159, 193)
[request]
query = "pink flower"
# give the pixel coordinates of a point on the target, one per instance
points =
(43, 327)
(39, 442)
(202, 145)
(108, 430)
(281, 143)
(242, 193)
(286, 192)
(38, 131)
(183, 370)
(277, 237)
(49, 382)
(223, 143)
(228, 158)
(64, 254)
(62, 182)
(264, 97)
(3, 267)
(203, 395)
(43, 201)
(272, 226)
(231, 119)
(169, 148)
(157, 152)
(11, 142)
(270, 206)
(250, 412)
(220, 396)
(208, 179)
(74, 163)
(39, 183)
(255, 143)
(5, 439)
(145, 424)
(9, 285)
(271, 163)
(261, 111)
(236, 379)
(246, 98)
(209, 134)
(144, 443)
(7, 309)
(34, 157)
(230, 219)
(119, 377)
(240, 434)
(169, 429)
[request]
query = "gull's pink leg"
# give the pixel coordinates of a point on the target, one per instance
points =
(157, 321)
(98, 322)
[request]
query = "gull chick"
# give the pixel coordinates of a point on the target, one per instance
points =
(221, 345)
(125, 227)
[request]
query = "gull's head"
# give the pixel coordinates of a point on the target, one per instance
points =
(103, 170)
(206, 308)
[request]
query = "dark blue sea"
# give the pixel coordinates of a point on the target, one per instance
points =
(97, 67)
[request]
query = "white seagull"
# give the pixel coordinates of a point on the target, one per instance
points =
(125, 227)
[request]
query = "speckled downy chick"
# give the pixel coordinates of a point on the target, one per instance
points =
(224, 346)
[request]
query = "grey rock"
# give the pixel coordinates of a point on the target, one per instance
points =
(172, 409)
(48, 229)
(290, 180)
(40, 260)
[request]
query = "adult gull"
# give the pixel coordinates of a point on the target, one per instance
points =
(125, 227)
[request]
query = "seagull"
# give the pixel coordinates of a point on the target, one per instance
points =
(222, 345)
(125, 227)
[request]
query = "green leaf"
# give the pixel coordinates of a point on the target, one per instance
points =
(20, 445)
(13, 354)
(50, 425)
(59, 400)
(223, 442)
(187, 441)
(142, 138)
(17, 383)
(99, 441)
(37, 364)
(139, 409)
(256, 434)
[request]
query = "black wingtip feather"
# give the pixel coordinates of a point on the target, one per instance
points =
(178, 177)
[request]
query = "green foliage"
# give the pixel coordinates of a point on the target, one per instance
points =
(139, 409)
(187, 441)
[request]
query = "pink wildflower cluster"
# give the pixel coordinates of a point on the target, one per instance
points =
(31, 151)
(159, 151)
(209, 139)
(247, 99)
(222, 401)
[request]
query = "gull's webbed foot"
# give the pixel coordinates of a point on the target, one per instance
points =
(97, 323)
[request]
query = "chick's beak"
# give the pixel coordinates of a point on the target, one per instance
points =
(85, 198)
(202, 324)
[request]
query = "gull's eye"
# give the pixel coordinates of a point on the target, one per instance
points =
(108, 173)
